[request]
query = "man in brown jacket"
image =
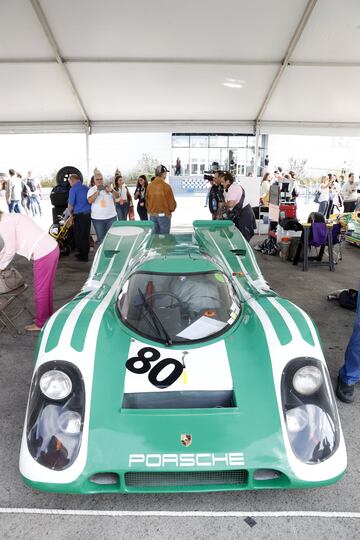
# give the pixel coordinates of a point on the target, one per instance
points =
(160, 201)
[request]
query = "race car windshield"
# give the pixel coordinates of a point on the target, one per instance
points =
(178, 308)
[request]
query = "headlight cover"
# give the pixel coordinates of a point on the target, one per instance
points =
(309, 409)
(56, 415)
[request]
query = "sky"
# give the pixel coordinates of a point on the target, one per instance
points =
(44, 154)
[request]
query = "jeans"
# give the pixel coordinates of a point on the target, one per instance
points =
(161, 224)
(102, 226)
(323, 207)
(14, 207)
(122, 211)
(35, 204)
(350, 371)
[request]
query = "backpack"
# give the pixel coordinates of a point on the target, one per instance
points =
(24, 189)
(31, 185)
(348, 299)
(10, 279)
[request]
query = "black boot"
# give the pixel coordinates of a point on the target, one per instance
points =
(345, 392)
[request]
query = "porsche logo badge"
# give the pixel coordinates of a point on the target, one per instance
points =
(186, 439)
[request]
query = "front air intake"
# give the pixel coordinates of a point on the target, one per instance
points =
(181, 479)
(213, 399)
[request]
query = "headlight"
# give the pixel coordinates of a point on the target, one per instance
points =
(312, 433)
(296, 419)
(307, 380)
(70, 422)
(55, 384)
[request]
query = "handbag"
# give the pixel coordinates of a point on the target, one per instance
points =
(131, 213)
(10, 279)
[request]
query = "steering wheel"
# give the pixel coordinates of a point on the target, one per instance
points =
(180, 303)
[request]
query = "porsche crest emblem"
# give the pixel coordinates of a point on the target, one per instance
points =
(186, 439)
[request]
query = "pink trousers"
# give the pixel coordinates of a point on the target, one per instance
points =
(44, 276)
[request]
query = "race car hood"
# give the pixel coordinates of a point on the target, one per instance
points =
(144, 419)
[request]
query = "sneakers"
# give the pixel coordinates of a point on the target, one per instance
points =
(345, 392)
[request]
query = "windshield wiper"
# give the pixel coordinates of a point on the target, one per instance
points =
(155, 319)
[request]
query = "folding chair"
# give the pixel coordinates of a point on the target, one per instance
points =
(318, 235)
(8, 304)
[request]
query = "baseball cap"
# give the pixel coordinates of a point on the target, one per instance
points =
(160, 169)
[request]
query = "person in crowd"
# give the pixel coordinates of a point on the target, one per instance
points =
(250, 174)
(80, 208)
(266, 160)
(294, 186)
(22, 236)
(160, 201)
(278, 175)
(216, 197)
(335, 199)
(102, 200)
(92, 228)
(3, 180)
(265, 190)
(4, 185)
(349, 194)
(238, 208)
(324, 195)
(123, 198)
(209, 185)
(25, 195)
(349, 373)
(140, 195)
(178, 167)
(357, 206)
(34, 186)
(14, 192)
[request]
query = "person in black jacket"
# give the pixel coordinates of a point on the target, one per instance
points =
(139, 195)
(216, 197)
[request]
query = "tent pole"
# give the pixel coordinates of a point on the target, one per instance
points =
(87, 137)
(257, 138)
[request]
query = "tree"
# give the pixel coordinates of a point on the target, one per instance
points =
(298, 166)
(146, 165)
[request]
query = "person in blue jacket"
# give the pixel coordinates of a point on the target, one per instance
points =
(349, 373)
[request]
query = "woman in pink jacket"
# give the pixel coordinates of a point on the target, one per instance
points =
(22, 236)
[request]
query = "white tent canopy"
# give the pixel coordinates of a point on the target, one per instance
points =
(266, 66)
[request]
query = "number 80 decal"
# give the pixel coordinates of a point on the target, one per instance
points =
(154, 371)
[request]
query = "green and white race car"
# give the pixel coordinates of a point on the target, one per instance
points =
(176, 368)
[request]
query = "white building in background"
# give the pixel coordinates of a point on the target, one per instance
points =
(197, 152)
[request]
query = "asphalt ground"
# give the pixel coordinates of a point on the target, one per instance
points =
(218, 515)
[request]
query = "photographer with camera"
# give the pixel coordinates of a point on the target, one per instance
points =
(238, 209)
(216, 194)
(103, 212)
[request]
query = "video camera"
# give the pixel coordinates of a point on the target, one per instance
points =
(209, 175)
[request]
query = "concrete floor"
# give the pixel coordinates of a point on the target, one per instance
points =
(309, 291)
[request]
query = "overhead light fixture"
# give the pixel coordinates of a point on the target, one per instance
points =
(233, 83)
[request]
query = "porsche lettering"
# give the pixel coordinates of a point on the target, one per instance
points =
(231, 459)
